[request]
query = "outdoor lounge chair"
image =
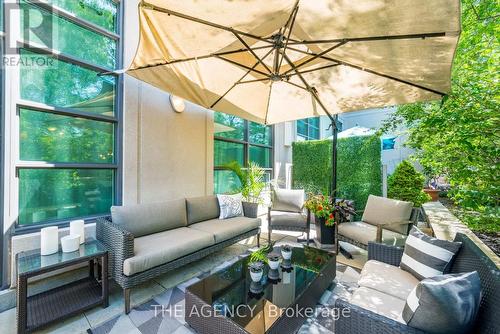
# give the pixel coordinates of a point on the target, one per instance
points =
(287, 212)
(370, 318)
(384, 220)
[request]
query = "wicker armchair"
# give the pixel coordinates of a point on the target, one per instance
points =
(287, 214)
(469, 258)
(384, 221)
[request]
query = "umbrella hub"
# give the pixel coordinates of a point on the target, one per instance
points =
(276, 77)
(279, 40)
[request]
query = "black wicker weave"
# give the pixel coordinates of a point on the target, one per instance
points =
(469, 258)
(121, 247)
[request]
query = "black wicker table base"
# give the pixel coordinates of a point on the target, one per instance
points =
(42, 309)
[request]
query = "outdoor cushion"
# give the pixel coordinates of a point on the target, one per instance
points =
(227, 228)
(425, 256)
(148, 218)
(382, 211)
(444, 303)
(291, 219)
(387, 279)
(291, 200)
(230, 206)
(159, 248)
(379, 303)
(363, 232)
(202, 208)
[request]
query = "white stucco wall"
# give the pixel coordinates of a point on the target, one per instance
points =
(166, 155)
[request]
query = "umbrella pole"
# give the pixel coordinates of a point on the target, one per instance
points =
(335, 130)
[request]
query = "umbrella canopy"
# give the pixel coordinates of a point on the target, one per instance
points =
(271, 61)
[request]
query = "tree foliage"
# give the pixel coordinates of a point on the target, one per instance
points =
(459, 137)
(406, 184)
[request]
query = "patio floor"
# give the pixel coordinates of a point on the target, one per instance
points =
(98, 316)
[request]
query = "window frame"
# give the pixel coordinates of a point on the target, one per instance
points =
(309, 126)
(116, 119)
(246, 148)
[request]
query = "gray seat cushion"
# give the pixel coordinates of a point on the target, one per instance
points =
(160, 248)
(291, 219)
(444, 303)
(148, 218)
(379, 303)
(288, 199)
(363, 232)
(382, 211)
(202, 208)
(224, 229)
(387, 279)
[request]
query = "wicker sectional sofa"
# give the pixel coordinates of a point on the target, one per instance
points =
(148, 240)
(376, 306)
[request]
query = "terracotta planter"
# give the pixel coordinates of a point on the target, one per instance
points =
(434, 193)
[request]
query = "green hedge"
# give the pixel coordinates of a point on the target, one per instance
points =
(359, 167)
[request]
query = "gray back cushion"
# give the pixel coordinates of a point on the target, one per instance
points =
(425, 256)
(291, 200)
(444, 303)
(381, 210)
(149, 218)
(202, 208)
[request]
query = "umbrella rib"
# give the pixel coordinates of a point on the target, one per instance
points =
(371, 38)
(198, 20)
(200, 57)
(315, 69)
(311, 90)
(291, 20)
(317, 56)
(250, 81)
(252, 52)
(340, 62)
(309, 53)
(239, 81)
(252, 69)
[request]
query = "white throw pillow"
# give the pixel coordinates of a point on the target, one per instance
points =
(230, 206)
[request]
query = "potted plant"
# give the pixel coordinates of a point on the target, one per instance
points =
(286, 252)
(252, 184)
(431, 187)
(273, 260)
(256, 271)
(326, 214)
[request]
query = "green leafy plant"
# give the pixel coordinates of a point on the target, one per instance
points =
(260, 255)
(321, 206)
(251, 179)
(406, 184)
(358, 167)
(458, 136)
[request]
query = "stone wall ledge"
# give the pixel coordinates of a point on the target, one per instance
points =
(445, 226)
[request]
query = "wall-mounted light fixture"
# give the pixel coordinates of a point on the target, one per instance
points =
(177, 103)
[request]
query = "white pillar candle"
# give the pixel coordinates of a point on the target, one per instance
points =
(49, 240)
(78, 227)
(70, 243)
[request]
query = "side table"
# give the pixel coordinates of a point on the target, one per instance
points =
(42, 309)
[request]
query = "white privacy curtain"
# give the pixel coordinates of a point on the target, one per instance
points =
(271, 61)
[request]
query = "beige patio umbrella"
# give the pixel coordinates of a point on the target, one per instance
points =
(271, 61)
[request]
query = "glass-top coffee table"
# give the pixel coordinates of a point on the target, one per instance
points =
(229, 301)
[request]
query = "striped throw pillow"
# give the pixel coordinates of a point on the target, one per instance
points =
(425, 256)
(444, 303)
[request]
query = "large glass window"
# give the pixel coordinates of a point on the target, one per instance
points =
(68, 117)
(242, 141)
(54, 32)
(308, 129)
